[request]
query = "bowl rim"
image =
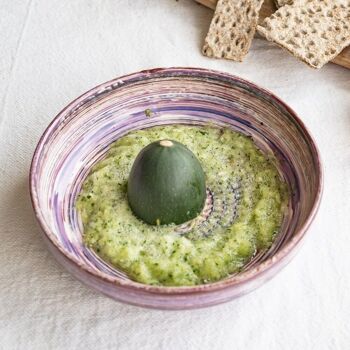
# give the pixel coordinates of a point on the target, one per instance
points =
(232, 281)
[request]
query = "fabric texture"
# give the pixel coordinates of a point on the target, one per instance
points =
(52, 51)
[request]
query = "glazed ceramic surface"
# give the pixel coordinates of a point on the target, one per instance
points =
(81, 134)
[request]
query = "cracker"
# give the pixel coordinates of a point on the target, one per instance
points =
(280, 3)
(232, 29)
(314, 31)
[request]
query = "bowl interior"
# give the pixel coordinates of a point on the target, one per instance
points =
(81, 134)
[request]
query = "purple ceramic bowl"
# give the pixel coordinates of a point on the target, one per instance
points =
(82, 132)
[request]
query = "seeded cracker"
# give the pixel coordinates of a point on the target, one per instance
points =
(314, 31)
(280, 3)
(232, 29)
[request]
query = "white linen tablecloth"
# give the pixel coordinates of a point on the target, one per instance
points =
(54, 50)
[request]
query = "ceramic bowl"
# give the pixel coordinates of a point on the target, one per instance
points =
(81, 133)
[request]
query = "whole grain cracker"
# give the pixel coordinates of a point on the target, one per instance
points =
(232, 29)
(280, 3)
(314, 31)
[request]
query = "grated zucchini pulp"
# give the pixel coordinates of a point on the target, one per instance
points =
(249, 201)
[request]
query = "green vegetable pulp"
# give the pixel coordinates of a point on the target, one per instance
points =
(249, 200)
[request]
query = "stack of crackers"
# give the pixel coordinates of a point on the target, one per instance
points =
(314, 31)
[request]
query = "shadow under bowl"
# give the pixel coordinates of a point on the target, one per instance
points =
(81, 133)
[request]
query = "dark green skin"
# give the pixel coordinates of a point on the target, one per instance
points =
(166, 184)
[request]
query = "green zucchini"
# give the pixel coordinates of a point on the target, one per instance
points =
(166, 184)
